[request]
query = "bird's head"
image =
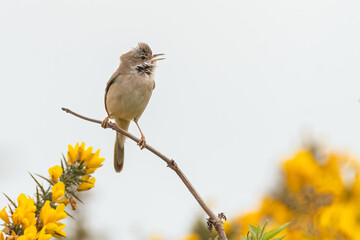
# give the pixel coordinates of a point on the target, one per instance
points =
(140, 59)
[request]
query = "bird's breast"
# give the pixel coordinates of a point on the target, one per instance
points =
(129, 95)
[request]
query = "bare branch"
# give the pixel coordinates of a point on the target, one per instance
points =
(213, 220)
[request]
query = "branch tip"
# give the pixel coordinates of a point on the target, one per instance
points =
(65, 109)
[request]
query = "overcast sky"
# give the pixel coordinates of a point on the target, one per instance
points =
(241, 81)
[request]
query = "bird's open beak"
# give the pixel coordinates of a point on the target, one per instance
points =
(154, 59)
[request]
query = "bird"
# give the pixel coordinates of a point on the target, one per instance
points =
(127, 94)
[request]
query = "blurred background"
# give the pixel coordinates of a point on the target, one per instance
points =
(243, 84)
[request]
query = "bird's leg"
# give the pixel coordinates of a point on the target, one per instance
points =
(142, 141)
(105, 122)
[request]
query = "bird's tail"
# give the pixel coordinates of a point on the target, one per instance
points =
(119, 145)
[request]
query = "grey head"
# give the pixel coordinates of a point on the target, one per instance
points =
(139, 60)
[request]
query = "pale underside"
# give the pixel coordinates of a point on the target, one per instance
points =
(129, 95)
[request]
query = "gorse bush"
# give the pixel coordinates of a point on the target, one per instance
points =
(39, 218)
(319, 194)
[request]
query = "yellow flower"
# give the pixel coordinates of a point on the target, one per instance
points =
(355, 189)
(58, 193)
(329, 179)
(55, 172)
(227, 227)
(342, 216)
(49, 217)
(63, 200)
(90, 182)
(83, 155)
(303, 169)
(275, 209)
(300, 170)
(42, 235)
(29, 234)
(73, 154)
(94, 161)
(243, 222)
(1, 235)
(77, 153)
(56, 229)
(90, 170)
(4, 216)
(24, 214)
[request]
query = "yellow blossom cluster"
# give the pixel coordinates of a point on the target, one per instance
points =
(319, 195)
(24, 218)
(90, 160)
(80, 154)
(40, 220)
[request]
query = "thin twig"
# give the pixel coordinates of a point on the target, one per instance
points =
(213, 220)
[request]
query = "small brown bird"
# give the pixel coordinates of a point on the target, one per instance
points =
(127, 94)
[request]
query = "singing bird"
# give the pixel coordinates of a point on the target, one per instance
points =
(127, 94)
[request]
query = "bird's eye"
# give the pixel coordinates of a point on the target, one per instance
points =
(143, 57)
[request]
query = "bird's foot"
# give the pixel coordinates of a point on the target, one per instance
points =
(105, 122)
(142, 142)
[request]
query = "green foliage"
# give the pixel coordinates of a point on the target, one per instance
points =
(258, 233)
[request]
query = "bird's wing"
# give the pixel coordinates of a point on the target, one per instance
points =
(109, 83)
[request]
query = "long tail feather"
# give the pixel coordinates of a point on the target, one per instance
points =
(119, 145)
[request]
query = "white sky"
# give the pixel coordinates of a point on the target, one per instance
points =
(242, 79)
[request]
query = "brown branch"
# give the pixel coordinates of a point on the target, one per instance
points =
(213, 220)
